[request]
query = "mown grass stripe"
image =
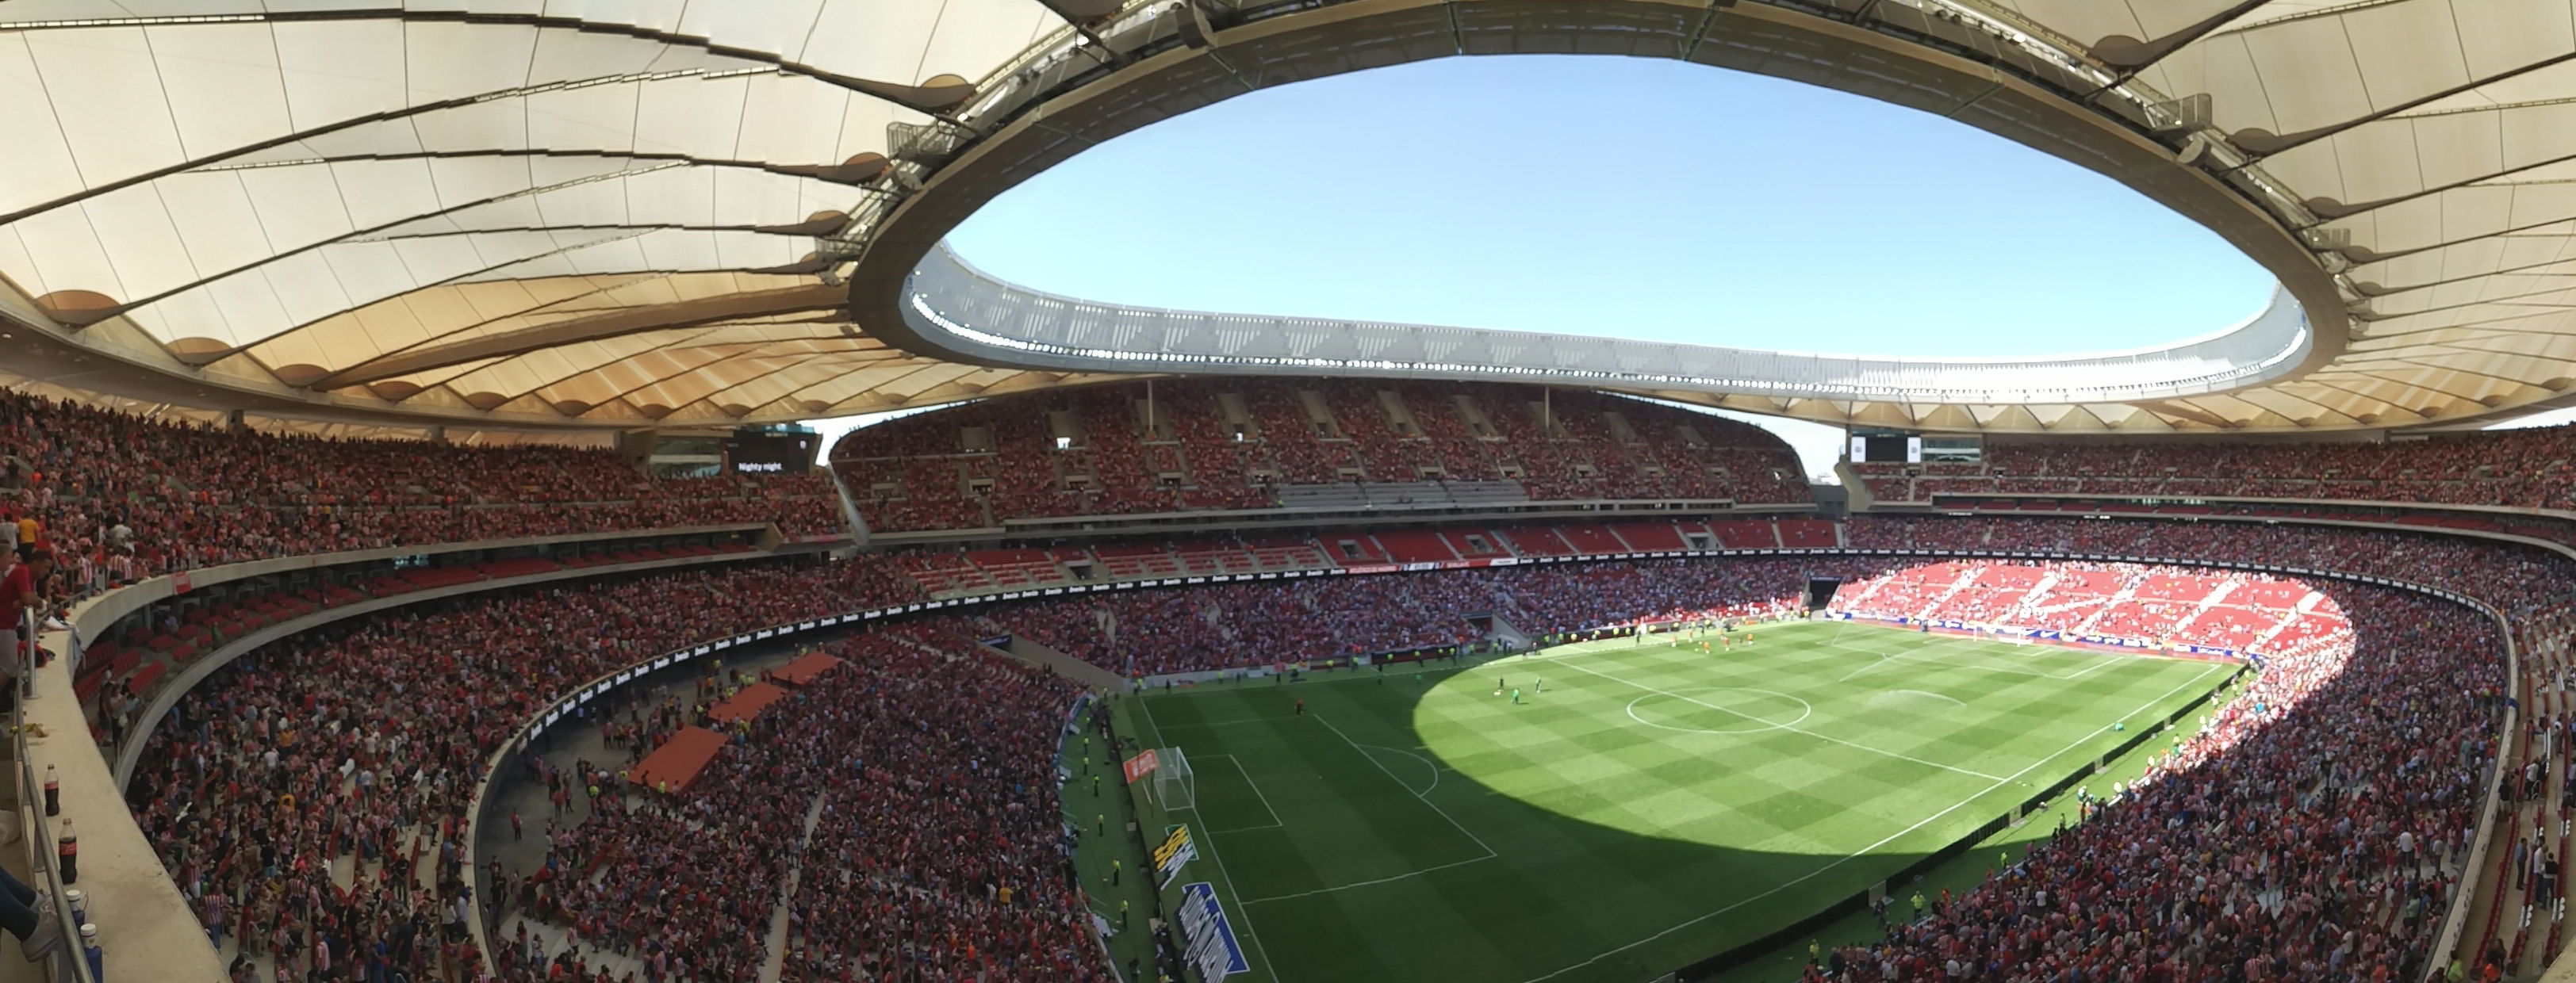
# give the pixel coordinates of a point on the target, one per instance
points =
(1604, 830)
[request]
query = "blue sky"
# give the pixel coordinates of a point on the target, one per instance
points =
(1638, 198)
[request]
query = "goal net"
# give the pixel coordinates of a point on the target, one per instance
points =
(1174, 785)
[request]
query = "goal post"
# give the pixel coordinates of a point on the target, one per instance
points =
(1174, 784)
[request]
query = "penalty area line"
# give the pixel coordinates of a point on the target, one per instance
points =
(1382, 880)
(1400, 783)
(1146, 707)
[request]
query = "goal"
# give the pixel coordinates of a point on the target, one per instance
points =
(1174, 784)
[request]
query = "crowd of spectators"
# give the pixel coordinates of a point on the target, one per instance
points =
(1196, 444)
(939, 851)
(2321, 821)
(2530, 467)
(121, 497)
(910, 791)
(2154, 604)
(2467, 566)
(310, 798)
(2309, 831)
(1231, 626)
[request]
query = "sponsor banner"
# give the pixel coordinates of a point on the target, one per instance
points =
(1177, 849)
(1379, 568)
(1141, 765)
(1209, 939)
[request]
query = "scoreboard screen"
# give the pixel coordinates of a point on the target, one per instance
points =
(769, 453)
(1886, 448)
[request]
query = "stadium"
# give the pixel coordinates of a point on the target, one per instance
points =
(428, 565)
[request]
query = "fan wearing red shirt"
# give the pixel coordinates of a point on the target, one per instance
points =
(17, 593)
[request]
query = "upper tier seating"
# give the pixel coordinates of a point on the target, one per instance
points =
(988, 571)
(1340, 444)
(121, 497)
(2532, 467)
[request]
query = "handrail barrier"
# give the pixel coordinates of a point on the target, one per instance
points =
(68, 963)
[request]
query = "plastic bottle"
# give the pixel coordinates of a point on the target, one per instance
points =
(53, 792)
(90, 951)
(80, 906)
(67, 853)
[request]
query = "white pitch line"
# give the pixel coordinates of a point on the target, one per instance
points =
(1276, 820)
(1793, 730)
(1382, 880)
(1426, 762)
(1146, 707)
(1892, 837)
(2107, 662)
(1390, 774)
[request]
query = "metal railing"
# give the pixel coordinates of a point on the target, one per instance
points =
(44, 867)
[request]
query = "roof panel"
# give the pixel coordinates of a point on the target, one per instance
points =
(39, 165)
(338, 70)
(221, 81)
(115, 118)
(575, 193)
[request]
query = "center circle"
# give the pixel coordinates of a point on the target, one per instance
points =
(1719, 710)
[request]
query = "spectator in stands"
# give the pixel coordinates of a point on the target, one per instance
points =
(21, 599)
(28, 918)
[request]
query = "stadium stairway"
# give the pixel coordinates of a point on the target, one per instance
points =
(775, 965)
(2128, 592)
(2509, 911)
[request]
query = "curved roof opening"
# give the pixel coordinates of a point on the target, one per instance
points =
(1629, 198)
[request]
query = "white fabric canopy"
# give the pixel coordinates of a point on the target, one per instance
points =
(614, 212)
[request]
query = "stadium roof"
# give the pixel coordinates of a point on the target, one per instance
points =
(540, 212)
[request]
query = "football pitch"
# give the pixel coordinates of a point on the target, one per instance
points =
(1641, 808)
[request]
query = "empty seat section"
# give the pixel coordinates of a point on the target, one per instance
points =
(1649, 537)
(1806, 532)
(1416, 546)
(1353, 548)
(1536, 541)
(1745, 534)
(1591, 539)
(1474, 544)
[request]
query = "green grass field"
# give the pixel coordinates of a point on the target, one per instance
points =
(1647, 807)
